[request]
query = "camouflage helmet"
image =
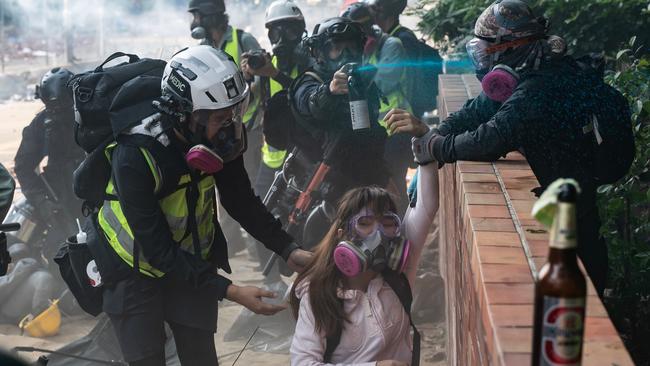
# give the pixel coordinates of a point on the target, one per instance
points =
(507, 20)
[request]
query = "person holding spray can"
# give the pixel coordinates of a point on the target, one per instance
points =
(329, 99)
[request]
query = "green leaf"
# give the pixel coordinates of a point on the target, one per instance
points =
(632, 41)
(648, 194)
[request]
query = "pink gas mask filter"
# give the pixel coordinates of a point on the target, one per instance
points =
(202, 158)
(500, 83)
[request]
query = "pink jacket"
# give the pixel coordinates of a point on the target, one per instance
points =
(379, 328)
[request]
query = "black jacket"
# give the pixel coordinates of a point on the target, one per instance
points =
(356, 157)
(53, 138)
(135, 187)
(543, 119)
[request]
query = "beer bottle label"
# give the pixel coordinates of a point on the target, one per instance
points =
(562, 331)
(359, 114)
(563, 231)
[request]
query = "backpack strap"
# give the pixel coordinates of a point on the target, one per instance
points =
(331, 342)
(400, 285)
(315, 76)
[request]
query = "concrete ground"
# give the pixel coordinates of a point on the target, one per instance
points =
(16, 115)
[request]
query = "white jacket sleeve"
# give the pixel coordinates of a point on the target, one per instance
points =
(418, 219)
(308, 346)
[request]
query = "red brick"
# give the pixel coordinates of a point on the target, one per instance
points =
(521, 194)
(481, 188)
(490, 211)
(506, 273)
(485, 199)
(516, 174)
(515, 340)
(595, 308)
(510, 293)
(502, 255)
(487, 224)
(512, 165)
(514, 155)
(517, 359)
(605, 353)
(538, 248)
(478, 177)
(512, 315)
(475, 168)
(600, 329)
(497, 238)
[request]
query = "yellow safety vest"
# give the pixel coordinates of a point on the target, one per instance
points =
(272, 157)
(120, 237)
(232, 48)
(396, 99)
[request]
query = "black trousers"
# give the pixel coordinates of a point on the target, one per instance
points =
(592, 249)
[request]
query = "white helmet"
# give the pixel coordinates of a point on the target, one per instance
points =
(282, 10)
(203, 77)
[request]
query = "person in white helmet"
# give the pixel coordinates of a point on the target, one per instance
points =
(161, 171)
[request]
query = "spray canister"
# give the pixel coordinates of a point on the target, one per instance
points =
(94, 277)
(358, 98)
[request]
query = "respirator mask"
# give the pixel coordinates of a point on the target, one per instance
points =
(375, 244)
(285, 38)
(227, 144)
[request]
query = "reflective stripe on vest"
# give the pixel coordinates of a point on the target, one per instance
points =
(232, 48)
(272, 157)
(174, 206)
(396, 99)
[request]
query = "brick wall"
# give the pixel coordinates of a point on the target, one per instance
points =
(490, 249)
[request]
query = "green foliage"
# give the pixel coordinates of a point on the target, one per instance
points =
(625, 212)
(587, 25)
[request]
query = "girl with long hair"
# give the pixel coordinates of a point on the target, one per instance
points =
(343, 292)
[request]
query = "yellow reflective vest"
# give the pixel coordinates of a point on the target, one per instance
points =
(273, 158)
(175, 208)
(233, 48)
(397, 98)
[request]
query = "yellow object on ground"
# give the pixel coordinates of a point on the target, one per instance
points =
(44, 324)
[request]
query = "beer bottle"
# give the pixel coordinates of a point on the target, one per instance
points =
(560, 292)
(357, 98)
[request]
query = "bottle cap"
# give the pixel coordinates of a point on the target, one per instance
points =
(81, 235)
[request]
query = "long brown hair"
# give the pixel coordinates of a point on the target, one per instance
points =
(323, 275)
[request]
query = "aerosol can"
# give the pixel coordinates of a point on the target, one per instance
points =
(358, 98)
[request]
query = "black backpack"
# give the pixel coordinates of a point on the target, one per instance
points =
(94, 91)
(109, 101)
(609, 128)
(422, 86)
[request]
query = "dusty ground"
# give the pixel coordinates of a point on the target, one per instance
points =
(16, 115)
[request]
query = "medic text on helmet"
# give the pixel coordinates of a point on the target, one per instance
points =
(178, 85)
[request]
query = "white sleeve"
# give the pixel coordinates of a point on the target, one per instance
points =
(308, 346)
(418, 219)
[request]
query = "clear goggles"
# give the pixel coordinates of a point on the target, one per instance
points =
(365, 224)
(477, 50)
(227, 116)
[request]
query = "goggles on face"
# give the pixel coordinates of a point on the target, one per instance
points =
(477, 52)
(365, 224)
(284, 32)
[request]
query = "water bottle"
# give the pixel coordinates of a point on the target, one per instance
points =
(358, 98)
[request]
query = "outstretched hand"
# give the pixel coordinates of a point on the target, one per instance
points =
(298, 260)
(251, 298)
(398, 120)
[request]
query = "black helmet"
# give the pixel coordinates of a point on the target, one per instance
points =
(388, 7)
(207, 7)
(53, 89)
(359, 12)
(335, 29)
(507, 20)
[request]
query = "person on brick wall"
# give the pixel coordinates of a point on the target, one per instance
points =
(347, 292)
(538, 101)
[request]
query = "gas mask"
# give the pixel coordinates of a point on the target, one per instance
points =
(209, 156)
(348, 55)
(375, 244)
(285, 38)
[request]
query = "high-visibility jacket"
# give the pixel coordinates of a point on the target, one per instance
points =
(396, 98)
(175, 208)
(233, 48)
(273, 158)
